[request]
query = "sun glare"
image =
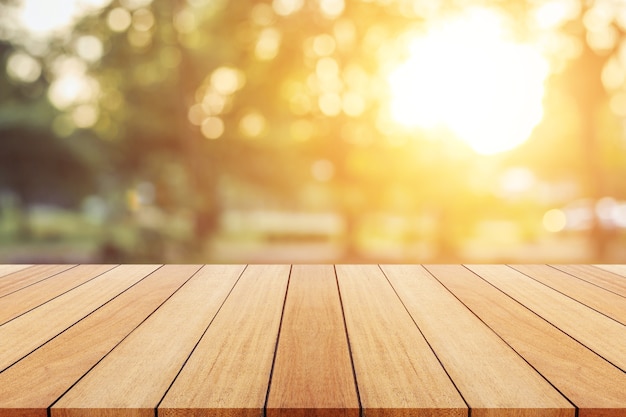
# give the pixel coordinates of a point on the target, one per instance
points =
(466, 76)
(43, 17)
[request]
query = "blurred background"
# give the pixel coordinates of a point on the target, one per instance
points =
(312, 131)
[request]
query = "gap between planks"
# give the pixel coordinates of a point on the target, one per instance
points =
(346, 315)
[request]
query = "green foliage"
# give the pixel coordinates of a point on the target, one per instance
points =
(204, 106)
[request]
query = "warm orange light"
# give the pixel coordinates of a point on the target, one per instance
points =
(466, 76)
(554, 220)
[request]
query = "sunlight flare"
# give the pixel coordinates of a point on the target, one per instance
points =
(466, 76)
(44, 17)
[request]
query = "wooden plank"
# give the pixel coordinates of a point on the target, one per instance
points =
(29, 276)
(616, 269)
(599, 333)
(133, 378)
(31, 385)
(312, 373)
(228, 372)
(605, 276)
(9, 269)
(21, 336)
(473, 355)
(23, 300)
(595, 386)
(604, 301)
(397, 373)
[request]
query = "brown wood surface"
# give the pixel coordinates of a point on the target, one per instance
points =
(597, 298)
(396, 371)
(598, 332)
(20, 337)
(616, 269)
(228, 373)
(472, 353)
(141, 368)
(592, 384)
(23, 300)
(608, 278)
(28, 276)
(312, 341)
(9, 269)
(312, 373)
(33, 384)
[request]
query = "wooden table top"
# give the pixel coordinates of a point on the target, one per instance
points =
(313, 340)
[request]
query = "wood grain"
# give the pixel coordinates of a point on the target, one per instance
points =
(605, 276)
(601, 334)
(616, 269)
(473, 355)
(424, 341)
(33, 384)
(604, 301)
(9, 269)
(396, 371)
(595, 386)
(21, 336)
(28, 276)
(228, 372)
(312, 373)
(140, 369)
(21, 301)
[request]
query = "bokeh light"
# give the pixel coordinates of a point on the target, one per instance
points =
(324, 44)
(253, 124)
(143, 20)
(212, 127)
(267, 44)
(554, 220)
(85, 116)
(119, 19)
(71, 89)
(226, 80)
(332, 8)
(324, 130)
(23, 67)
(89, 48)
(287, 7)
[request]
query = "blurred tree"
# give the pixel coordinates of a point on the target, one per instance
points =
(172, 101)
(272, 88)
(587, 43)
(36, 167)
